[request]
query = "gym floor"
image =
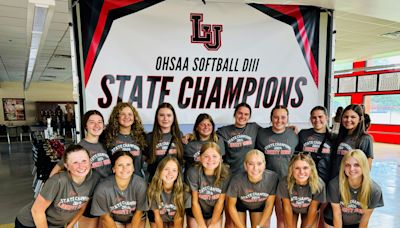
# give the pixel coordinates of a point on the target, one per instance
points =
(16, 182)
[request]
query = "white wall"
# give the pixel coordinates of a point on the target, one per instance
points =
(37, 92)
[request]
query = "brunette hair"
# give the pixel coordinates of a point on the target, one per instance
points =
(71, 149)
(178, 190)
(120, 153)
(360, 129)
(319, 108)
(279, 107)
(157, 134)
(137, 130)
(338, 115)
(88, 114)
(196, 136)
(243, 104)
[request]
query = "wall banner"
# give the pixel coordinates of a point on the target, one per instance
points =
(199, 57)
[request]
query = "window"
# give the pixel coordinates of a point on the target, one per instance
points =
(384, 62)
(339, 101)
(383, 109)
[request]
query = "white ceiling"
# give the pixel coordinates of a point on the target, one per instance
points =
(359, 24)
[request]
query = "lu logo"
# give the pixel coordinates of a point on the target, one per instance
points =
(206, 34)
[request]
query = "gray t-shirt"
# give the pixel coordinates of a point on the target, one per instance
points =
(99, 158)
(127, 143)
(101, 163)
(310, 141)
(192, 151)
(301, 196)
(160, 151)
(353, 213)
(67, 198)
(167, 207)
(237, 142)
(278, 148)
(253, 195)
(121, 205)
(209, 192)
(349, 144)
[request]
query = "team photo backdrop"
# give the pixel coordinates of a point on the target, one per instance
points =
(199, 57)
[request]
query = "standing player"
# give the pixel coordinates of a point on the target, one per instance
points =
(125, 132)
(278, 143)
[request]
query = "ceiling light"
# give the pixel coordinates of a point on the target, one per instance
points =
(39, 17)
(56, 68)
(62, 56)
(392, 35)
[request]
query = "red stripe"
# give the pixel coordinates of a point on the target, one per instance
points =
(108, 5)
(294, 11)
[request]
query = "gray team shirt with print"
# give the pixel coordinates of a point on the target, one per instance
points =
(278, 148)
(310, 141)
(167, 207)
(99, 158)
(353, 213)
(121, 205)
(253, 195)
(66, 196)
(208, 192)
(127, 143)
(301, 196)
(192, 151)
(349, 144)
(238, 141)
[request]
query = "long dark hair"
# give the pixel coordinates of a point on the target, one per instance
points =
(157, 134)
(360, 129)
(338, 116)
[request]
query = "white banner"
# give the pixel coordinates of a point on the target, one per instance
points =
(201, 58)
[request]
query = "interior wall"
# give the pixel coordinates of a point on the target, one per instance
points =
(39, 91)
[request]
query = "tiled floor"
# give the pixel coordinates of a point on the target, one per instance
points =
(16, 181)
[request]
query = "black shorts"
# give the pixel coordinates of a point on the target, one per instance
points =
(240, 207)
(18, 224)
(150, 215)
(330, 222)
(87, 213)
(206, 216)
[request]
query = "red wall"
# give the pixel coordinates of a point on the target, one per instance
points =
(380, 132)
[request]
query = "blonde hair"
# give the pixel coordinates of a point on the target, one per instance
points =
(313, 180)
(178, 191)
(221, 172)
(365, 192)
(254, 152)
